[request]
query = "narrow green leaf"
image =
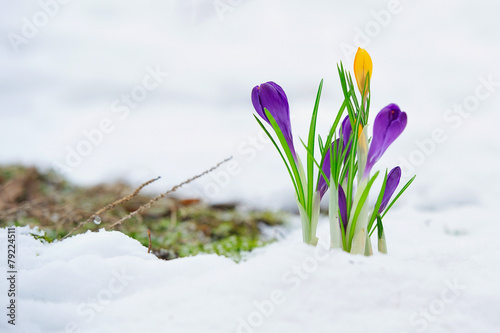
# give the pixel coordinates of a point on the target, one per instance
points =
(310, 145)
(281, 154)
(378, 203)
(342, 77)
(352, 157)
(288, 153)
(380, 227)
(360, 204)
(321, 146)
(332, 132)
(320, 166)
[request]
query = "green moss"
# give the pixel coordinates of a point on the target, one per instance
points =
(178, 228)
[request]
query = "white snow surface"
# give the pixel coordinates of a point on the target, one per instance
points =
(428, 56)
(439, 276)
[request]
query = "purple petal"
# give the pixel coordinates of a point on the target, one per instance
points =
(343, 207)
(256, 104)
(278, 88)
(322, 185)
(389, 124)
(392, 183)
(346, 135)
(346, 130)
(271, 96)
(326, 168)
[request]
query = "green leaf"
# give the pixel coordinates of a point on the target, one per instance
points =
(380, 227)
(337, 118)
(333, 129)
(281, 154)
(320, 166)
(310, 146)
(352, 157)
(379, 202)
(343, 82)
(368, 97)
(288, 153)
(360, 204)
(321, 146)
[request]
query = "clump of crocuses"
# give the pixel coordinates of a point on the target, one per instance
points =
(347, 159)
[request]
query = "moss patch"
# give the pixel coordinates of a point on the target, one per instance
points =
(179, 227)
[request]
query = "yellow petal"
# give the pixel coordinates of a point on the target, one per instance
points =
(362, 140)
(362, 69)
(360, 130)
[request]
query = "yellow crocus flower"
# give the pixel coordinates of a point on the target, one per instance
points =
(362, 70)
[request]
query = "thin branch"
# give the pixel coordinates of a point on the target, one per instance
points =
(110, 206)
(149, 237)
(122, 200)
(163, 195)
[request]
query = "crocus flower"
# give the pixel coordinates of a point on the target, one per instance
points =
(271, 96)
(343, 207)
(392, 183)
(389, 124)
(326, 168)
(362, 70)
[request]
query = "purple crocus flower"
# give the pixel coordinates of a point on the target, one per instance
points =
(271, 96)
(389, 124)
(343, 207)
(326, 168)
(392, 183)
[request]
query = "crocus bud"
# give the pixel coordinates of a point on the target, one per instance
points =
(389, 124)
(390, 186)
(363, 70)
(271, 96)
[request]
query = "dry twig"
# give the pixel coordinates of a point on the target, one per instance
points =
(163, 195)
(145, 206)
(149, 236)
(111, 206)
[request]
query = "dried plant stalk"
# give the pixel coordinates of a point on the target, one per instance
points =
(122, 200)
(163, 195)
(146, 205)
(149, 237)
(111, 206)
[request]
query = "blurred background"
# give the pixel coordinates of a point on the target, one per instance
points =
(108, 90)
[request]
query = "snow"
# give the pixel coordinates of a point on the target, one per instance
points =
(438, 277)
(427, 57)
(438, 61)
